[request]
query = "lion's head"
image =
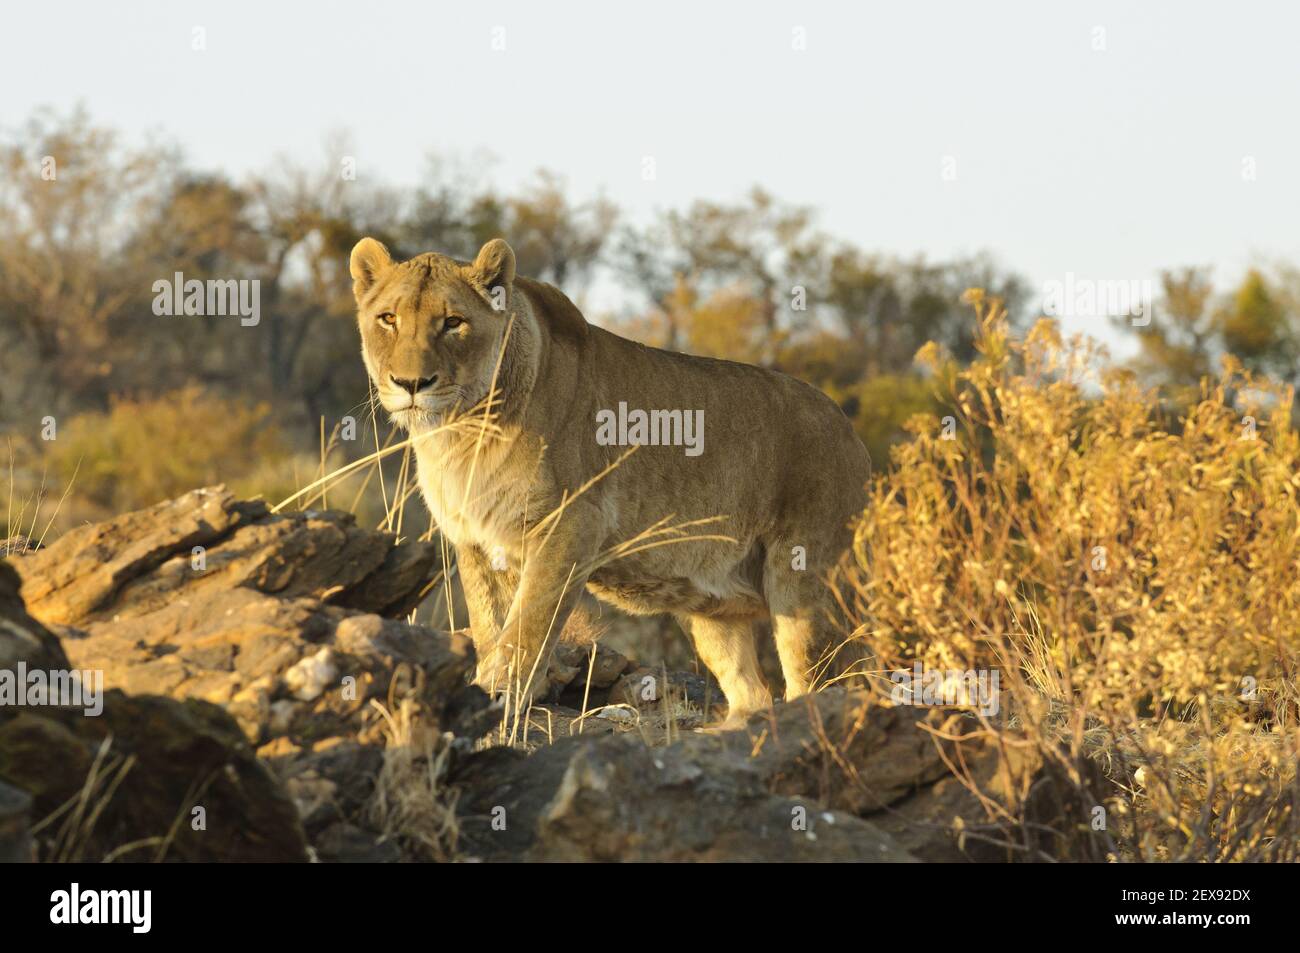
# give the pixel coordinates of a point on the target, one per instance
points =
(431, 327)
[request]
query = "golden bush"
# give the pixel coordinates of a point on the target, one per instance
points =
(1134, 579)
(142, 451)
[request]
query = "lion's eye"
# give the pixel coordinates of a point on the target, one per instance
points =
(452, 321)
(387, 319)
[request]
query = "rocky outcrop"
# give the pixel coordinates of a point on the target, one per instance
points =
(137, 563)
(143, 778)
(285, 620)
(615, 799)
(831, 777)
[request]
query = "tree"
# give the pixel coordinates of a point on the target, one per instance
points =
(1176, 347)
(554, 239)
(758, 247)
(71, 197)
(310, 218)
(1193, 328)
(761, 246)
(1256, 327)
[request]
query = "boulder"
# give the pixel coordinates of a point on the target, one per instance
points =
(615, 799)
(140, 562)
(144, 778)
(283, 619)
(836, 776)
(645, 688)
(600, 679)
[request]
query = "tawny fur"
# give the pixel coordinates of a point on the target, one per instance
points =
(781, 468)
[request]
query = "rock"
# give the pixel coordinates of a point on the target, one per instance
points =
(687, 811)
(158, 760)
(347, 843)
(550, 721)
(310, 676)
(256, 670)
(18, 544)
(579, 674)
(615, 799)
(281, 618)
(128, 781)
(833, 776)
(804, 746)
(135, 564)
(891, 765)
(285, 620)
(645, 688)
(22, 638)
(604, 669)
(93, 562)
(619, 716)
(329, 785)
(15, 825)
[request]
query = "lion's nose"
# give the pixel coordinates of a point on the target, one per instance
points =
(413, 385)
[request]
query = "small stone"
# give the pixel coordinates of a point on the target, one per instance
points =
(312, 675)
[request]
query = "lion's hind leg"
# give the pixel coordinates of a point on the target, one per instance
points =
(807, 639)
(727, 647)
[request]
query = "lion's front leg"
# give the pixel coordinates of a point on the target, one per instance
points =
(551, 582)
(489, 589)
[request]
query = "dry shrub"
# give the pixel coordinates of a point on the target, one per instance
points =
(143, 451)
(1134, 581)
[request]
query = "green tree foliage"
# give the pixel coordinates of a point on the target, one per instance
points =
(1257, 328)
(1193, 328)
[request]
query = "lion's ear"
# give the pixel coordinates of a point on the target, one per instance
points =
(494, 267)
(370, 259)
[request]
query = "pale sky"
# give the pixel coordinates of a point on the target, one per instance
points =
(1109, 163)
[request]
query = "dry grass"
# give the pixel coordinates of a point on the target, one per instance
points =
(65, 835)
(1133, 580)
(411, 802)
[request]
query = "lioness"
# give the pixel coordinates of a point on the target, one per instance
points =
(776, 463)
